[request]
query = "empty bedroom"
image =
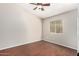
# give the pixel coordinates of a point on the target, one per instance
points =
(38, 29)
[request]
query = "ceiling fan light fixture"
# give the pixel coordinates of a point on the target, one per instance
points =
(42, 9)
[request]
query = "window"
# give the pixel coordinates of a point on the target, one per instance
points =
(56, 26)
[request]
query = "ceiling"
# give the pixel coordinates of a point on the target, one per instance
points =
(53, 9)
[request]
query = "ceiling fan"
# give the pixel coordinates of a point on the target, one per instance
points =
(40, 5)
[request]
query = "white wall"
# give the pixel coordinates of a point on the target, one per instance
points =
(68, 37)
(17, 26)
(78, 29)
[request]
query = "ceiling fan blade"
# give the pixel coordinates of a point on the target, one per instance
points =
(35, 8)
(43, 4)
(34, 3)
(48, 4)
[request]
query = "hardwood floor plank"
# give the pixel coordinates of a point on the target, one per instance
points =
(41, 48)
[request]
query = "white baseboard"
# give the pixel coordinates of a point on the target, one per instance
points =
(61, 45)
(19, 44)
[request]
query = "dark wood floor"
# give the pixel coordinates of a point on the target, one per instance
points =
(41, 48)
